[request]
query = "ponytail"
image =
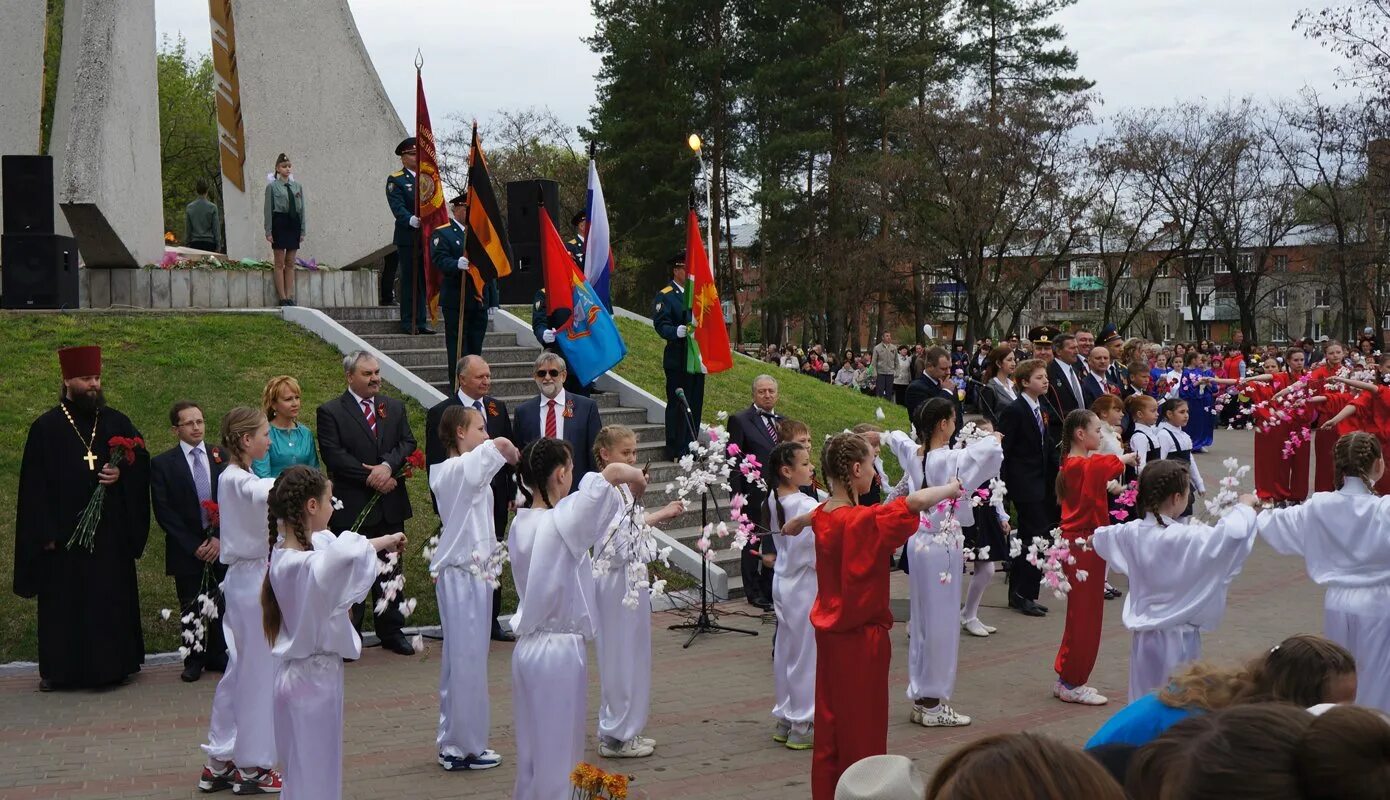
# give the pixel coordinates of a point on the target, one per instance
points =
(1075, 421)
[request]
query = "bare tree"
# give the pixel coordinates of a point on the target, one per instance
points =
(1359, 31)
(520, 144)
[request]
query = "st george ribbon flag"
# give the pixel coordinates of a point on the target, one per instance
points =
(584, 329)
(598, 250)
(709, 349)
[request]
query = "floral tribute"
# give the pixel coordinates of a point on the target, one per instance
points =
(633, 542)
(709, 464)
(122, 452)
(198, 620)
(588, 782)
(413, 462)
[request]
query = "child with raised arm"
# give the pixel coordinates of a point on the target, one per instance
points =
(462, 487)
(241, 735)
(936, 556)
(314, 579)
(1082, 488)
(1369, 412)
(1345, 537)
(549, 543)
(624, 628)
(1178, 573)
(851, 614)
(793, 594)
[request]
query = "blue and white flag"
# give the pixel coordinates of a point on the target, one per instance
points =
(598, 250)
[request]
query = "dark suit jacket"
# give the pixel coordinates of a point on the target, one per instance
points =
(747, 430)
(499, 424)
(924, 389)
(1030, 457)
(346, 443)
(580, 430)
(1093, 391)
(176, 508)
(1060, 396)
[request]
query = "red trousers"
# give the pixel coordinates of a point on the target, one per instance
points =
(1323, 442)
(1278, 478)
(1085, 614)
(851, 703)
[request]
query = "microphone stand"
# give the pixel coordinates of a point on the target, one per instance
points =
(704, 623)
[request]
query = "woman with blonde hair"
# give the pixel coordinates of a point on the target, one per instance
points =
(284, 224)
(291, 441)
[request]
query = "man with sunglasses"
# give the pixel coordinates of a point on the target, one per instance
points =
(559, 414)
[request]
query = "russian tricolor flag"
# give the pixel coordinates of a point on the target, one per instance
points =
(598, 250)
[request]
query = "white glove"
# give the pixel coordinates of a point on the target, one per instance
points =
(681, 330)
(463, 263)
(492, 312)
(414, 221)
(548, 337)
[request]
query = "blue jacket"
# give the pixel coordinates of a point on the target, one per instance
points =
(671, 312)
(446, 249)
(400, 196)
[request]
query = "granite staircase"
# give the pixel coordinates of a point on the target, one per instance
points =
(512, 364)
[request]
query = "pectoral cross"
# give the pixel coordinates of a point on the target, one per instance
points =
(91, 460)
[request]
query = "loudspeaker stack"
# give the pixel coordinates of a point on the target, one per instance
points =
(524, 231)
(39, 267)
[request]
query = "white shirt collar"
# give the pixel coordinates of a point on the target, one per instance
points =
(189, 448)
(361, 400)
(468, 401)
(1033, 402)
(559, 400)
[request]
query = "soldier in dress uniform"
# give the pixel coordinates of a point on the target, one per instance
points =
(446, 252)
(400, 195)
(575, 244)
(672, 322)
(542, 326)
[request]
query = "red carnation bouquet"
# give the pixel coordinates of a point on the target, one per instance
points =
(414, 461)
(122, 452)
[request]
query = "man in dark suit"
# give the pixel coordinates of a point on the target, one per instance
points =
(1064, 392)
(754, 430)
(671, 319)
(474, 382)
(1030, 471)
(1096, 381)
(559, 415)
(181, 479)
(364, 438)
(936, 381)
(1112, 340)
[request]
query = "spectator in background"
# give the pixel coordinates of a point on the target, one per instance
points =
(201, 228)
(902, 375)
(919, 362)
(845, 375)
(1085, 340)
(789, 359)
(885, 364)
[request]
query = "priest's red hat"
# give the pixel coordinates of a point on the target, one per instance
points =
(79, 362)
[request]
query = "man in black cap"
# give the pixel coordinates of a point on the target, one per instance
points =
(400, 195)
(575, 244)
(1041, 336)
(1111, 339)
(672, 322)
(447, 254)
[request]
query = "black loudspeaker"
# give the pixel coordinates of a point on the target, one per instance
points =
(28, 187)
(39, 271)
(524, 232)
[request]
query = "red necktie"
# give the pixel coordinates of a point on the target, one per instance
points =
(550, 419)
(370, 414)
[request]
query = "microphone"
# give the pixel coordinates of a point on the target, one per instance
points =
(680, 393)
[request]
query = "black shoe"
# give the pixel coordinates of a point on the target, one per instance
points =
(1031, 609)
(219, 665)
(1039, 606)
(398, 645)
(426, 331)
(499, 635)
(191, 672)
(45, 685)
(761, 602)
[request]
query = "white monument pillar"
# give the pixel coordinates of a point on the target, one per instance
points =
(21, 79)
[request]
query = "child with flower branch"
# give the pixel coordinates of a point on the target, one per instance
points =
(314, 578)
(936, 553)
(464, 562)
(241, 734)
(1369, 411)
(1178, 573)
(793, 595)
(623, 605)
(1282, 410)
(851, 614)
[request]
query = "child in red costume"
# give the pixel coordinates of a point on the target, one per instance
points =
(1279, 479)
(1369, 412)
(851, 615)
(1082, 489)
(1332, 367)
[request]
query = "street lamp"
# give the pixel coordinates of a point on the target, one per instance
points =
(698, 147)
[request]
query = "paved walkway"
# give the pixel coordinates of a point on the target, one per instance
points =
(709, 709)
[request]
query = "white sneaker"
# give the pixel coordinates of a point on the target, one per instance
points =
(942, 716)
(975, 628)
(1083, 695)
(633, 748)
(647, 741)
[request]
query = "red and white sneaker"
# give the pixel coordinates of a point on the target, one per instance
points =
(260, 781)
(216, 781)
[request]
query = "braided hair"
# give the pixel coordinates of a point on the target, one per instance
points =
(1159, 481)
(781, 457)
(1076, 420)
(838, 457)
(240, 421)
(538, 462)
(925, 418)
(295, 487)
(607, 439)
(1353, 457)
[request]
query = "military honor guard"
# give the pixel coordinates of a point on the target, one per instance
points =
(446, 252)
(575, 244)
(671, 319)
(400, 195)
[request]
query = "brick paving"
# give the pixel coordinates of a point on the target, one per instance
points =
(709, 709)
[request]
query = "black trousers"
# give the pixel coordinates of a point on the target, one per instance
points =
(678, 431)
(412, 293)
(203, 244)
(386, 286)
(387, 624)
(215, 644)
(1036, 518)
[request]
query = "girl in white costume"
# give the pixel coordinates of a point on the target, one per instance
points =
(793, 593)
(1178, 573)
(462, 486)
(935, 569)
(1143, 442)
(624, 633)
(549, 543)
(314, 578)
(241, 735)
(1345, 536)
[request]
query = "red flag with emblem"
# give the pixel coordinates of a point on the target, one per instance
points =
(429, 194)
(709, 349)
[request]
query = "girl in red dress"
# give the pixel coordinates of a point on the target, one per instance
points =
(1284, 480)
(851, 615)
(1369, 412)
(1333, 366)
(1081, 489)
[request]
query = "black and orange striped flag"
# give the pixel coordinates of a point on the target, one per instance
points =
(489, 251)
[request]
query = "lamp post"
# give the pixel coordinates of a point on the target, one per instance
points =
(698, 147)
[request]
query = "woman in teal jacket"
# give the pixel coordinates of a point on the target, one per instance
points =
(284, 225)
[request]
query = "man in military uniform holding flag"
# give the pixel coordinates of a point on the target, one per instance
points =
(447, 254)
(575, 244)
(671, 318)
(400, 196)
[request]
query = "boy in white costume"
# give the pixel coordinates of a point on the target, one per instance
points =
(241, 734)
(554, 579)
(314, 580)
(462, 566)
(1345, 537)
(794, 590)
(1179, 573)
(935, 568)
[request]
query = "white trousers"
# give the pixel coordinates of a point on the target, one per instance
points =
(550, 699)
(624, 658)
(794, 652)
(1359, 620)
(309, 726)
(1155, 654)
(935, 623)
(465, 614)
(243, 720)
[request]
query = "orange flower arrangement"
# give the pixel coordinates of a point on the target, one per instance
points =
(592, 783)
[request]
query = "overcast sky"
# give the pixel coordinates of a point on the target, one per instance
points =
(485, 55)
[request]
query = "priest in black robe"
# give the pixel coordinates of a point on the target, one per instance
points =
(89, 603)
